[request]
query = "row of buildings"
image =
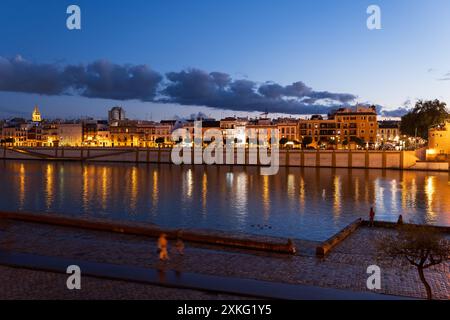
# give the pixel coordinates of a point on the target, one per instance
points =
(343, 127)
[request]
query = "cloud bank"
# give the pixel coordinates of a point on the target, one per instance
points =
(193, 87)
(100, 79)
(399, 112)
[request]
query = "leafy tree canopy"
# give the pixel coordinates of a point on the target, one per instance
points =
(424, 115)
(159, 140)
(306, 141)
(420, 246)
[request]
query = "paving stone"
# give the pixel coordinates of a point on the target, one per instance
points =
(345, 267)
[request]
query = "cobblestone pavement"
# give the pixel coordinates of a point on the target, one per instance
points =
(345, 267)
(22, 284)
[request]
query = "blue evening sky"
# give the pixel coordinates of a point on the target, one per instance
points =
(324, 43)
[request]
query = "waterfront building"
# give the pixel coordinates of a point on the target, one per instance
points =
(34, 136)
(115, 115)
(238, 126)
(155, 134)
(189, 125)
(288, 129)
(133, 133)
(96, 133)
(70, 134)
(388, 131)
(14, 134)
(360, 123)
(124, 134)
(36, 115)
(262, 124)
(233, 123)
(342, 127)
(439, 142)
(49, 136)
(103, 138)
(322, 131)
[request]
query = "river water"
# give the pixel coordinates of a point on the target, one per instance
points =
(304, 203)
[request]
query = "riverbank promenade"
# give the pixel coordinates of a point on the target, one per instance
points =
(341, 274)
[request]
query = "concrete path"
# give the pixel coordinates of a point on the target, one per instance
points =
(182, 280)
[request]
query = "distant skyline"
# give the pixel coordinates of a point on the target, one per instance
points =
(248, 56)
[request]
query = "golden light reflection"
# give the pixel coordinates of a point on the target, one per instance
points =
(291, 187)
(134, 189)
(366, 192)
(241, 193)
(155, 189)
(204, 191)
(430, 190)
(104, 188)
(394, 190)
(49, 183)
(405, 195)
(379, 195)
(409, 191)
(189, 183)
(266, 196)
(337, 196)
(85, 176)
(61, 184)
(414, 191)
(21, 186)
(302, 193)
(356, 189)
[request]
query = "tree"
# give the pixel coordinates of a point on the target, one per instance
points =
(331, 141)
(424, 115)
(360, 142)
(420, 246)
(8, 141)
(159, 140)
(306, 141)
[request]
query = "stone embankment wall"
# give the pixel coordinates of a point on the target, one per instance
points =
(295, 158)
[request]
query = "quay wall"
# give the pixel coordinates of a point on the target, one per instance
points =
(407, 160)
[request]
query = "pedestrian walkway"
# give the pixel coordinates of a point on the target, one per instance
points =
(183, 280)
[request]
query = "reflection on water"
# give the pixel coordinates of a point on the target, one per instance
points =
(301, 203)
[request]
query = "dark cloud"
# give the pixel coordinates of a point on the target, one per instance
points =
(100, 79)
(19, 75)
(399, 112)
(197, 87)
(103, 79)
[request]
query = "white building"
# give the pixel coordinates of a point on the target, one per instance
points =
(70, 134)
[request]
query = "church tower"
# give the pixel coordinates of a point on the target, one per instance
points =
(36, 116)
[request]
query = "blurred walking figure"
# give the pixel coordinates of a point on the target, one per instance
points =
(400, 220)
(162, 247)
(371, 217)
(180, 244)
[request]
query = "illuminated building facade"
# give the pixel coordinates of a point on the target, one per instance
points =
(439, 142)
